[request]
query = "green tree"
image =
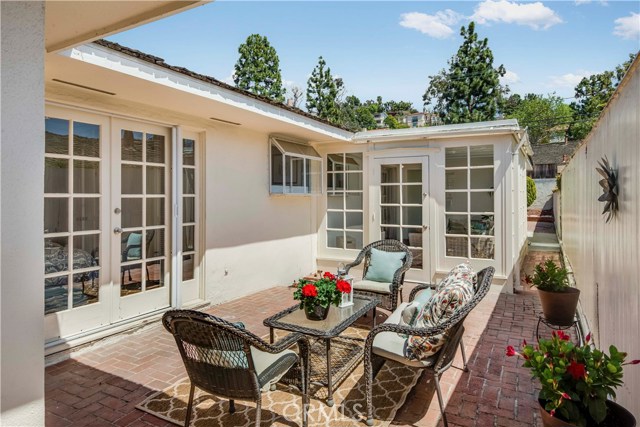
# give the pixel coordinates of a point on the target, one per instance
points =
(541, 115)
(470, 90)
(355, 116)
(392, 107)
(592, 95)
(322, 93)
(257, 69)
(393, 123)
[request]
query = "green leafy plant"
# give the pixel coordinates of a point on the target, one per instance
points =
(549, 277)
(532, 192)
(559, 181)
(323, 292)
(576, 380)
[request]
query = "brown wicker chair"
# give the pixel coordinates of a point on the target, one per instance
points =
(224, 359)
(389, 345)
(388, 298)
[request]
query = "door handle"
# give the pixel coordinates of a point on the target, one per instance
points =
(117, 230)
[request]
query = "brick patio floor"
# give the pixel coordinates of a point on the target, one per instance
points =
(101, 385)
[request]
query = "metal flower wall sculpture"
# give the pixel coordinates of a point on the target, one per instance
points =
(609, 188)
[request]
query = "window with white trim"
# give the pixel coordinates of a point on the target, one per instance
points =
(189, 208)
(295, 168)
(345, 224)
(469, 202)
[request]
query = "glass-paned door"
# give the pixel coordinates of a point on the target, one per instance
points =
(190, 254)
(402, 208)
(76, 285)
(141, 209)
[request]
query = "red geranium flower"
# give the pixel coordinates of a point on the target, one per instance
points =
(511, 351)
(343, 286)
(561, 335)
(577, 370)
(309, 290)
(329, 276)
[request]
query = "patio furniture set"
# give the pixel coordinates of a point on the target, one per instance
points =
(228, 361)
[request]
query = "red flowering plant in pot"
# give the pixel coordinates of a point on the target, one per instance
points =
(317, 296)
(576, 381)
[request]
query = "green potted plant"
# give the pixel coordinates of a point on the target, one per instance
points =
(576, 382)
(559, 300)
(316, 296)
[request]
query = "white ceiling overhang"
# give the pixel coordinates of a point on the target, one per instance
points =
(116, 75)
(70, 23)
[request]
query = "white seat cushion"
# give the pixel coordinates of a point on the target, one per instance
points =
(371, 286)
(392, 346)
(271, 367)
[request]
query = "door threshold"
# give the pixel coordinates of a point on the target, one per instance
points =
(63, 348)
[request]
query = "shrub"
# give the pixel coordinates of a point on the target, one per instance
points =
(532, 192)
(549, 277)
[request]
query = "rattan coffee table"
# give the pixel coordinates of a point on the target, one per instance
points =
(327, 341)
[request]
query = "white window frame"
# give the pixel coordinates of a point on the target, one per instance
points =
(304, 189)
(344, 210)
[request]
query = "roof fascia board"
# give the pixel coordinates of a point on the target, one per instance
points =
(363, 139)
(118, 62)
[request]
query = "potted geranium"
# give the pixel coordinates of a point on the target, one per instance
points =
(576, 382)
(317, 296)
(559, 300)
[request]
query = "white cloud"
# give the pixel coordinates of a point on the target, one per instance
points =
(581, 2)
(437, 26)
(229, 79)
(569, 80)
(510, 77)
(628, 27)
(535, 15)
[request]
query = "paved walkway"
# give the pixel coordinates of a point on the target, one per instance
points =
(101, 385)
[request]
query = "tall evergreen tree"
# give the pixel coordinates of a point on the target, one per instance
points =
(258, 68)
(355, 116)
(322, 93)
(470, 90)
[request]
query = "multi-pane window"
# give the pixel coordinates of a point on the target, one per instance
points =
(189, 208)
(344, 201)
(295, 168)
(469, 202)
(71, 214)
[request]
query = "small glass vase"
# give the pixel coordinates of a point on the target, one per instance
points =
(316, 312)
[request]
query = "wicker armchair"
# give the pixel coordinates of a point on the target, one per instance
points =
(383, 343)
(224, 359)
(388, 298)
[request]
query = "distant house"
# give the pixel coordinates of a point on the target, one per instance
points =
(549, 159)
(413, 120)
(379, 117)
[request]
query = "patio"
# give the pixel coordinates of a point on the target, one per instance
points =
(101, 385)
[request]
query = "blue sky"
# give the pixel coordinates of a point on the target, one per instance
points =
(390, 48)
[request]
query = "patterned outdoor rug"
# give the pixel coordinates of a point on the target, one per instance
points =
(281, 407)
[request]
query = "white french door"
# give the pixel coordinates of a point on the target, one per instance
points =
(402, 210)
(140, 214)
(107, 221)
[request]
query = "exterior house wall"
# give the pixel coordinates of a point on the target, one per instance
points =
(254, 240)
(22, 186)
(604, 257)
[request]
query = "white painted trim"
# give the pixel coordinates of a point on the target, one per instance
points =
(176, 214)
(104, 57)
(109, 113)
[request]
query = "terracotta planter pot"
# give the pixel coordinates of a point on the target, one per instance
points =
(316, 313)
(617, 416)
(559, 308)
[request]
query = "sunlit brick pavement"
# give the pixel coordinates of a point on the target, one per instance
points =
(101, 386)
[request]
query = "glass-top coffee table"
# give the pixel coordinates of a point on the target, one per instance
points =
(326, 332)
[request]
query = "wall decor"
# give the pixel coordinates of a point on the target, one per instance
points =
(609, 185)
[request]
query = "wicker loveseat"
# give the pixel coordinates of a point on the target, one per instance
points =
(388, 341)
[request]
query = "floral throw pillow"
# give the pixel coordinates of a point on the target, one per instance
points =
(461, 271)
(443, 304)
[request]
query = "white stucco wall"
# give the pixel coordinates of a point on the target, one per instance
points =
(253, 240)
(605, 256)
(22, 186)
